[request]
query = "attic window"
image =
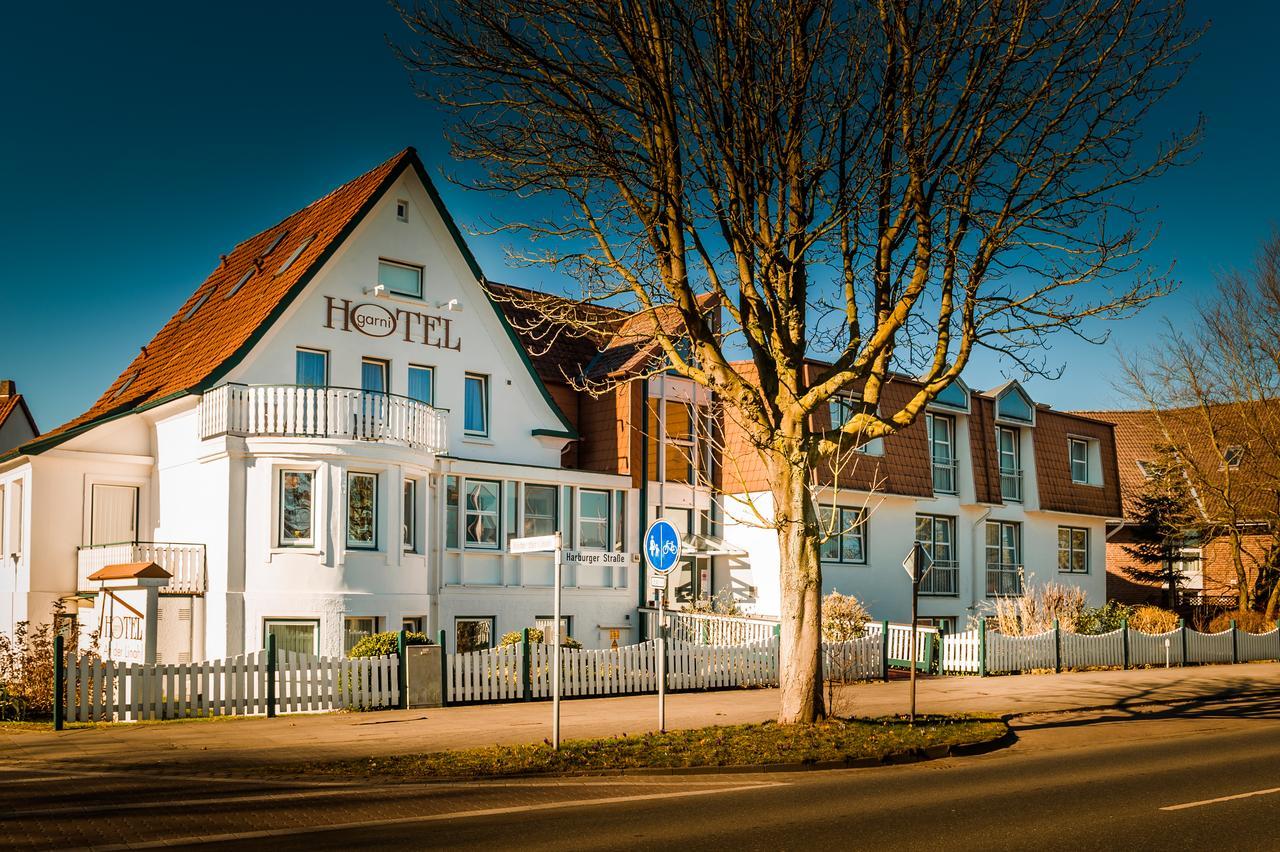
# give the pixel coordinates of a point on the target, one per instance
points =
(191, 311)
(1147, 468)
(1233, 456)
(274, 243)
(402, 210)
(296, 252)
(244, 279)
(124, 387)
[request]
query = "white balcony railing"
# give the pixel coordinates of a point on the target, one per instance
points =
(184, 561)
(321, 412)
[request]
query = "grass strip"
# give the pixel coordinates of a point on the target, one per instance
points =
(732, 745)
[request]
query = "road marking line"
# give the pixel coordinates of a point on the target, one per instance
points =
(1221, 799)
(410, 820)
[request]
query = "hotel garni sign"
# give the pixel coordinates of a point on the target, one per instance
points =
(374, 320)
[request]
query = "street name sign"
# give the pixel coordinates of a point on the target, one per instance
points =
(533, 544)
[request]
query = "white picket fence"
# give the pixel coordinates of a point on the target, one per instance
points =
(1258, 646)
(497, 674)
(961, 653)
(1019, 653)
(900, 642)
(108, 690)
(855, 659)
(1155, 649)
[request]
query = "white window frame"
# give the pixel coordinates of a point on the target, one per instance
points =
(931, 421)
(402, 210)
(1000, 565)
(409, 521)
(545, 623)
(484, 401)
(281, 540)
(351, 543)
(524, 508)
(607, 519)
(1072, 445)
(314, 622)
(310, 350)
(413, 267)
(467, 512)
(374, 628)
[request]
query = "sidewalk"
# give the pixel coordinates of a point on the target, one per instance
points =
(227, 745)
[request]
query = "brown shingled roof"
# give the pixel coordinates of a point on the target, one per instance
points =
(560, 352)
(220, 320)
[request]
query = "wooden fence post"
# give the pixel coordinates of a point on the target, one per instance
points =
(444, 671)
(1182, 627)
(1057, 647)
(1235, 654)
(884, 650)
(1124, 626)
(526, 676)
(402, 668)
(59, 682)
(271, 675)
(982, 648)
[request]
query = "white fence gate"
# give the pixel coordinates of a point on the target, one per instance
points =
(961, 653)
(108, 690)
(855, 659)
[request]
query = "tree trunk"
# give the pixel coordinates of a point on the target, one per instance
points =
(800, 572)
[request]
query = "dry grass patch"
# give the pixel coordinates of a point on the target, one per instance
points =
(735, 745)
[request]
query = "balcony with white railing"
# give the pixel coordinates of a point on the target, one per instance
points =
(294, 411)
(1003, 579)
(1011, 484)
(184, 561)
(942, 579)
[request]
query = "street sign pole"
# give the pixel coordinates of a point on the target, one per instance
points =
(555, 654)
(915, 599)
(662, 662)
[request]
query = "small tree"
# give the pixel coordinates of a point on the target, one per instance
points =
(1164, 515)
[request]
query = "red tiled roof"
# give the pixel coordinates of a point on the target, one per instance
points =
(559, 350)
(215, 327)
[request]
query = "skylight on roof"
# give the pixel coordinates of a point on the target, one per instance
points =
(191, 311)
(296, 252)
(124, 387)
(280, 236)
(244, 279)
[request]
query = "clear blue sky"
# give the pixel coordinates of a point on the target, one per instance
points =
(141, 140)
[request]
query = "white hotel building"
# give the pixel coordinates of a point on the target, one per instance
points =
(339, 431)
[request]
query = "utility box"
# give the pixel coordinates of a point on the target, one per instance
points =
(423, 675)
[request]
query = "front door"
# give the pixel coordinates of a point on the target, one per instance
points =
(114, 514)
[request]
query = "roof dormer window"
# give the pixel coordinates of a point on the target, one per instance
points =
(274, 243)
(244, 279)
(1014, 406)
(191, 311)
(1233, 456)
(124, 387)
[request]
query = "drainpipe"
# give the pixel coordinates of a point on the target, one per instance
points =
(977, 561)
(643, 513)
(1123, 523)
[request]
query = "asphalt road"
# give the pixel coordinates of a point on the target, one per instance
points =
(1194, 777)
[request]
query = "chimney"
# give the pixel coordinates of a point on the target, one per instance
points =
(8, 387)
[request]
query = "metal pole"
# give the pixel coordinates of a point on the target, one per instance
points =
(271, 676)
(555, 654)
(662, 662)
(59, 681)
(915, 598)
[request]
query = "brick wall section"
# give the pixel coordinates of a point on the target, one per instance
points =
(1053, 466)
(1219, 571)
(604, 429)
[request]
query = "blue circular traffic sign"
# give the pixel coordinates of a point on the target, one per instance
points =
(661, 546)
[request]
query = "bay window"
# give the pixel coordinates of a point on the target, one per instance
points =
(295, 509)
(484, 499)
(362, 510)
(539, 509)
(593, 520)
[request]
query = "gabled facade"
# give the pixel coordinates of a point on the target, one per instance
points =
(17, 426)
(337, 433)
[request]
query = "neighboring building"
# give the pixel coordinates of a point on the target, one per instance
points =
(17, 426)
(342, 428)
(1003, 492)
(1208, 564)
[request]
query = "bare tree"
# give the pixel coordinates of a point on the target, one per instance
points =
(1215, 392)
(880, 185)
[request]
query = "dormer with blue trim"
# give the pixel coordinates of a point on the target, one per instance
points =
(1013, 405)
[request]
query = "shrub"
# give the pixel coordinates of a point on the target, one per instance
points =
(1103, 619)
(381, 644)
(1248, 621)
(26, 669)
(843, 617)
(1153, 619)
(536, 636)
(1034, 611)
(724, 603)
